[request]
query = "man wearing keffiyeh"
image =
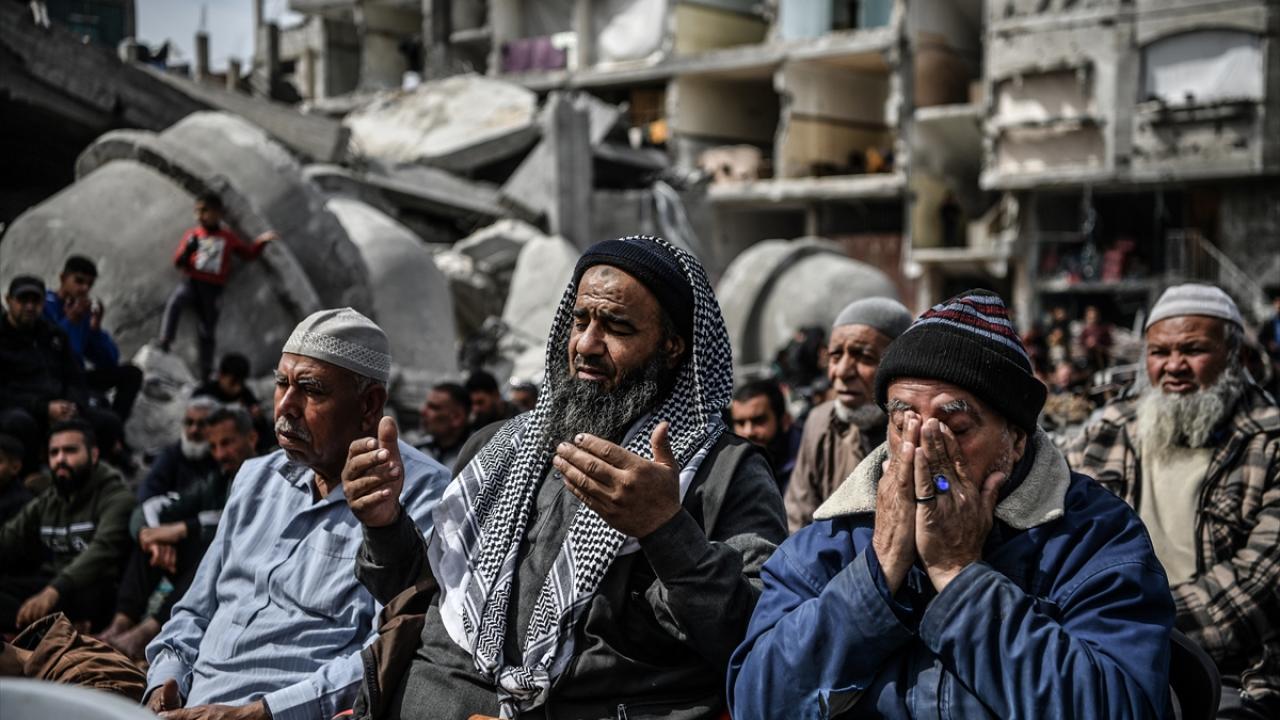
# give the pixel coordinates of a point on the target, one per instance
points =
(598, 556)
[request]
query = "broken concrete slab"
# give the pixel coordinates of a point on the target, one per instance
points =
(459, 123)
(313, 137)
(128, 218)
(411, 299)
(533, 181)
(777, 286)
(543, 271)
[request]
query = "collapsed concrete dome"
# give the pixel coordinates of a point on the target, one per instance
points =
(128, 218)
(411, 299)
(261, 186)
(778, 286)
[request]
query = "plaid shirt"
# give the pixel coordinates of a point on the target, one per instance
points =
(1232, 605)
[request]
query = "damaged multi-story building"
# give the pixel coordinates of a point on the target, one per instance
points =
(1064, 152)
(1067, 152)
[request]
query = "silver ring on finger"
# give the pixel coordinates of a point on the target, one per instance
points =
(926, 499)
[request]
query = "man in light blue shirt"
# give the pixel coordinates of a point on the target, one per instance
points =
(274, 621)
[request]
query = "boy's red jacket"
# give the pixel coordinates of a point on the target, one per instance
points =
(210, 260)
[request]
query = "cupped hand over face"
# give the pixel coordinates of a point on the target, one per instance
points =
(951, 530)
(894, 538)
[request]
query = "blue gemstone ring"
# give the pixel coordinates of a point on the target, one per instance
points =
(942, 483)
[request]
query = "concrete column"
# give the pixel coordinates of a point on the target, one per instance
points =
(381, 29)
(585, 39)
(233, 75)
(437, 27)
(202, 57)
(269, 43)
(309, 65)
(570, 142)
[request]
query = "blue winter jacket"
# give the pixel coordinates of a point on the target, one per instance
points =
(1067, 615)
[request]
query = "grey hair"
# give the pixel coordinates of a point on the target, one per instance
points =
(364, 382)
(203, 402)
(240, 417)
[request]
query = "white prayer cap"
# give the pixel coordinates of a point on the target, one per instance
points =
(343, 337)
(1194, 299)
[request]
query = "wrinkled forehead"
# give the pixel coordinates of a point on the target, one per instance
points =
(932, 398)
(1186, 328)
(857, 334)
(293, 365)
(616, 290)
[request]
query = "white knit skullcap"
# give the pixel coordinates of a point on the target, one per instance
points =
(343, 337)
(1194, 299)
(880, 313)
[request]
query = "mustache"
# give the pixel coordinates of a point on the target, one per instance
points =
(285, 426)
(63, 466)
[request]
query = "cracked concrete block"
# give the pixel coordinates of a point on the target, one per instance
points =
(776, 287)
(128, 218)
(458, 123)
(475, 294)
(411, 298)
(498, 245)
(544, 268)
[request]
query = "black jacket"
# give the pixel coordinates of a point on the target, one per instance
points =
(37, 365)
(656, 639)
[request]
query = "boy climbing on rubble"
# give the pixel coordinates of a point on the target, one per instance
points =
(204, 258)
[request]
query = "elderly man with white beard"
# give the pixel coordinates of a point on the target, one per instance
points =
(1195, 449)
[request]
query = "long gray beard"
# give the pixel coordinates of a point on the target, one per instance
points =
(579, 406)
(193, 450)
(1167, 420)
(863, 417)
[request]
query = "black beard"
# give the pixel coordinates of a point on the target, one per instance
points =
(581, 406)
(66, 486)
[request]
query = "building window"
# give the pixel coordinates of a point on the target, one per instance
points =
(1203, 67)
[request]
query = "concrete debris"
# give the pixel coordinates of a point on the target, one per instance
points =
(128, 219)
(313, 137)
(411, 299)
(475, 294)
(459, 123)
(777, 286)
(261, 170)
(498, 246)
(532, 182)
(420, 189)
(542, 272)
(156, 420)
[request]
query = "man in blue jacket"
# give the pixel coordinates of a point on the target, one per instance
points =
(962, 570)
(80, 317)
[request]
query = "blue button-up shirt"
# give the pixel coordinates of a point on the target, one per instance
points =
(275, 611)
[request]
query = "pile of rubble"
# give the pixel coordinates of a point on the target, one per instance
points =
(435, 223)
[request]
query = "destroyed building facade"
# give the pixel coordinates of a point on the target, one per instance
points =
(1062, 152)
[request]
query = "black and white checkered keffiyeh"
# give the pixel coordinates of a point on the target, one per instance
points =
(482, 517)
